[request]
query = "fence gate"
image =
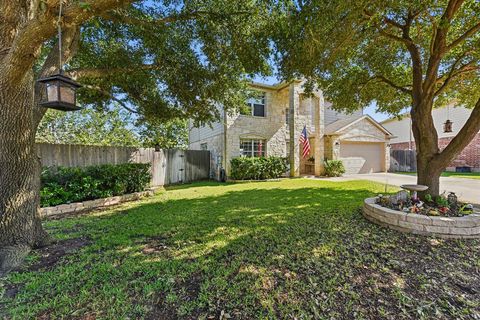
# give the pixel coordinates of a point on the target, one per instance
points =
(197, 165)
(176, 166)
(159, 168)
(168, 166)
(403, 160)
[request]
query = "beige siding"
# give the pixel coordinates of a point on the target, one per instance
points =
(206, 131)
(401, 128)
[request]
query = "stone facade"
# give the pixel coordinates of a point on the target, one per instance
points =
(287, 110)
(272, 128)
(364, 130)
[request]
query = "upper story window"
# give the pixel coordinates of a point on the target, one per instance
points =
(255, 106)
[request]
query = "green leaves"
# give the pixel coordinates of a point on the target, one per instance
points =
(358, 53)
(174, 60)
(257, 168)
(62, 185)
(84, 5)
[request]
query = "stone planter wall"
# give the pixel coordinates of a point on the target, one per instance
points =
(94, 204)
(444, 227)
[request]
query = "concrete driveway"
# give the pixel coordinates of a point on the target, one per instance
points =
(466, 189)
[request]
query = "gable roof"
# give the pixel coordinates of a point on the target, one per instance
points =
(342, 124)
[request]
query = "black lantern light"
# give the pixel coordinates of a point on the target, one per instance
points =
(60, 91)
(447, 126)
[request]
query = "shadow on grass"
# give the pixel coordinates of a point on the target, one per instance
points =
(262, 250)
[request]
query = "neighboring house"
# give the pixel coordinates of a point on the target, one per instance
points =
(271, 123)
(468, 159)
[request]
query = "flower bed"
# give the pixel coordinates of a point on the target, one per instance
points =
(447, 206)
(467, 226)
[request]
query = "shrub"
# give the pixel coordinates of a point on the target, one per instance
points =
(61, 185)
(261, 168)
(334, 168)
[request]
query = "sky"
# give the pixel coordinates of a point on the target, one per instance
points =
(369, 110)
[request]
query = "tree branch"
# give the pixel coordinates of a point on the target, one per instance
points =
(103, 72)
(392, 84)
(438, 46)
(464, 36)
(463, 138)
(111, 96)
(468, 67)
(117, 16)
(26, 46)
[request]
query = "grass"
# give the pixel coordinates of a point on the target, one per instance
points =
(269, 250)
(465, 175)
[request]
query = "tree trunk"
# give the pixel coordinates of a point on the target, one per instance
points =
(428, 174)
(426, 141)
(20, 226)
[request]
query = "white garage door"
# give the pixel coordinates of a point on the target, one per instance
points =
(362, 157)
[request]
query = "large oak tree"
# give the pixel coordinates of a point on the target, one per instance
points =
(163, 60)
(416, 54)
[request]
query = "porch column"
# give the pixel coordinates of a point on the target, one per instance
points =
(319, 152)
(294, 135)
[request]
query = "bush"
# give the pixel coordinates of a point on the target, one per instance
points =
(261, 168)
(61, 185)
(334, 168)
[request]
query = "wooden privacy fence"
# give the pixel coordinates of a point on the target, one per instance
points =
(168, 166)
(403, 160)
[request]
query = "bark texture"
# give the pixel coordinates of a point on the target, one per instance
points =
(20, 226)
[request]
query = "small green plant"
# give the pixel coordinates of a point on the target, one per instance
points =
(442, 201)
(257, 168)
(334, 168)
(428, 198)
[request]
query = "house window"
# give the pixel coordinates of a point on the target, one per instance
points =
(255, 106)
(252, 147)
(204, 146)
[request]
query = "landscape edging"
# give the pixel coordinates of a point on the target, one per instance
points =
(466, 227)
(94, 204)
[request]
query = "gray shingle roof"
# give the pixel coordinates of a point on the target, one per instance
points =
(339, 124)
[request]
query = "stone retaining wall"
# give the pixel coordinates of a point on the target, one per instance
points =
(444, 227)
(94, 204)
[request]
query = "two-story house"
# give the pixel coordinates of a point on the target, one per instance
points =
(271, 123)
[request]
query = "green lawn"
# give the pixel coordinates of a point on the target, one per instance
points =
(269, 250)
(466, 175)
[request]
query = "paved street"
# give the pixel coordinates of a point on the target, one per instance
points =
(466, 189)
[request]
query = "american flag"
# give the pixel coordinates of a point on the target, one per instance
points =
(304, 142)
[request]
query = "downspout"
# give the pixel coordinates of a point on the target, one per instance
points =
(224, 160)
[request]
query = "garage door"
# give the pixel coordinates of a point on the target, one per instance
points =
(362, 157)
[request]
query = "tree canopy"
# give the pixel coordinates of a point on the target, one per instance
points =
(110, 127)
(415, 54)
(384, 51)
(171, 59)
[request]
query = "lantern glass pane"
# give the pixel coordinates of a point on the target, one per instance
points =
(52, 92)
(67, 94)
